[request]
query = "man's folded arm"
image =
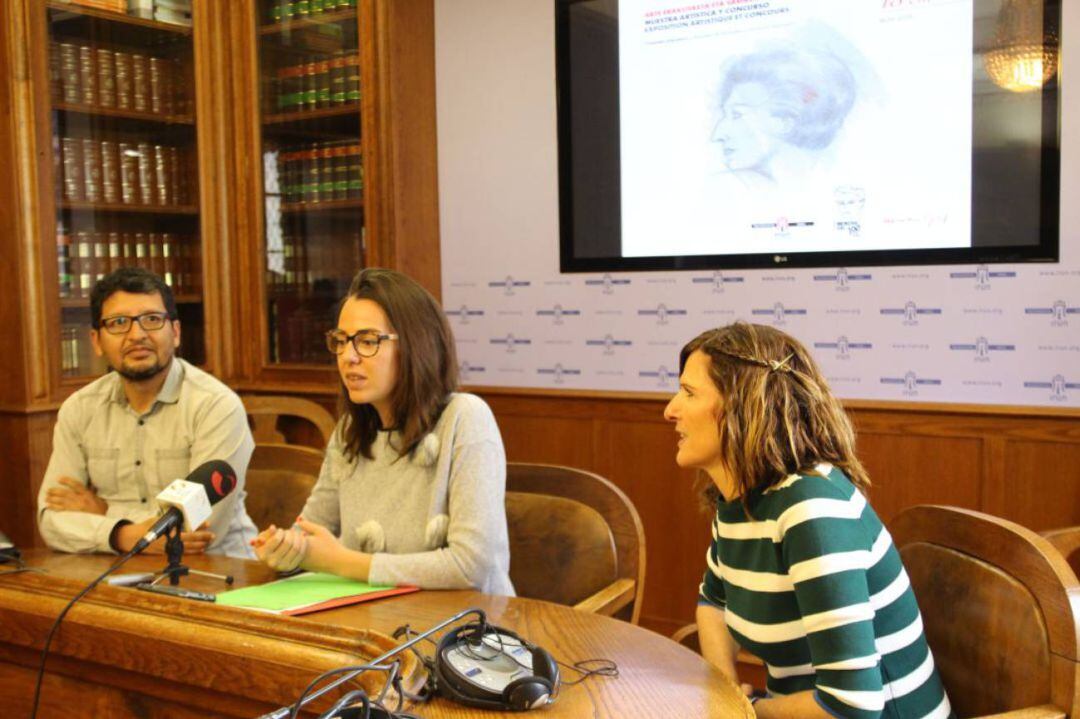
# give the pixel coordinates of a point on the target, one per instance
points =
(70, 531)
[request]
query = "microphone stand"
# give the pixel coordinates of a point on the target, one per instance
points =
(174, 552)
(286, 711)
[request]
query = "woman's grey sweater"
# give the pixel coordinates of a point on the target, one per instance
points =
(437, 519)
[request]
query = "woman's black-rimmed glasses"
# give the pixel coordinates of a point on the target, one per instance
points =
(365, 342)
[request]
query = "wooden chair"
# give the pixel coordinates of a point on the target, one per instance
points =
(1067, 542)
(575, 539)
(280, 476)
(279, 480)
(266, 411)
(999, 608)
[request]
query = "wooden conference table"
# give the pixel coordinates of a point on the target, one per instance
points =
(127, 653)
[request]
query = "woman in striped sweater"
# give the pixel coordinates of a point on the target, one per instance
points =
(801, 572)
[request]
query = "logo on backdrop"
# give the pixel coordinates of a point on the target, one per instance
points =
(717, 279)
(662, 312)
(982, 276)
(557, 313)
(911, 383)
(911, 312)
(467, 371)
(510, 342)
(843, 347)
(982, 348)
(843, 279)
(558, 372)
(609, 344)
(1058, 313)
(1057, 386)
(779, 313)
(509, 284)
(463, 313)
(608, 283)
(664, 377)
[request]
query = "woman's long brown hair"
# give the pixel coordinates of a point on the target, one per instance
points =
(778, 415)
(427, 369)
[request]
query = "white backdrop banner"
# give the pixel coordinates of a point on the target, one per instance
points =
(994, 334)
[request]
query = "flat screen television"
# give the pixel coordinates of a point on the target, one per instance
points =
(713, 134)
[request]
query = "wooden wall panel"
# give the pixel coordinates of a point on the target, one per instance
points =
(549, 440)
(642, 456)
(1043, 483)
(906, 470)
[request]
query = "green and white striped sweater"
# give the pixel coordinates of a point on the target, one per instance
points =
(815, 588)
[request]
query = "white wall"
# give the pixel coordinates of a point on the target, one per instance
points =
(499, 213)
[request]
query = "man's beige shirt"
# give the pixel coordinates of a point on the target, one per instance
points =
(130, 457)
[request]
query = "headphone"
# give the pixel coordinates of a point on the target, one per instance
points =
(485, 666)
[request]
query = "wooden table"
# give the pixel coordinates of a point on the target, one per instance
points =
(127, 653)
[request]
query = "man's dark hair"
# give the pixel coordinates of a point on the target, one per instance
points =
(136, 280)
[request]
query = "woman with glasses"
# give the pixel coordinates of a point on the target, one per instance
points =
(801, 573)
(412, 487)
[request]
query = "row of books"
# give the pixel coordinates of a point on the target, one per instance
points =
(321, 172)
(282, 10)
(77, 357)
(317, 84)
(130, 173)
(312, 264)
(112, 78)
(298, 330)
(85, 257)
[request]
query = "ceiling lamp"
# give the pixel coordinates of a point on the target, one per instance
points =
(1023, 56)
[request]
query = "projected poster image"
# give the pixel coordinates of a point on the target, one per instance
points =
(795, 126)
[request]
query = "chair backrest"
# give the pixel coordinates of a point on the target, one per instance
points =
(265, 411)
(999, 608)
(278, 482)
(574, 535)
(1067, 542)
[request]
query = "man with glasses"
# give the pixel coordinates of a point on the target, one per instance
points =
(124, 437)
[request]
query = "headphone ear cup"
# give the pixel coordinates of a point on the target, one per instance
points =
(527, 693)
(544, 666)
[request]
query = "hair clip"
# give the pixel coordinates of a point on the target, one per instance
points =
(782, 364)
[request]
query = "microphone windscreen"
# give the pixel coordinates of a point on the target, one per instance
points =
(216, 477)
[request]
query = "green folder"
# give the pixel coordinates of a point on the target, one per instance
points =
(308, 592)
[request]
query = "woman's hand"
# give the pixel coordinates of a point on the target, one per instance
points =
(281, 549)
(323, 551)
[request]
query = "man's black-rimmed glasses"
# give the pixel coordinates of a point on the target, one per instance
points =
(121, 324)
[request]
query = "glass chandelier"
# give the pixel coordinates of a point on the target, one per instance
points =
(1022, 57)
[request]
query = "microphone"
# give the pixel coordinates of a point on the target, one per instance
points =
(187, 502)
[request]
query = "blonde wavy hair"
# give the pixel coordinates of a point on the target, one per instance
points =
(778, 415)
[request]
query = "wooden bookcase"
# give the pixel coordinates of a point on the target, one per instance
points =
(257, 269)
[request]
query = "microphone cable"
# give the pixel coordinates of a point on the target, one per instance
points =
(60, 617)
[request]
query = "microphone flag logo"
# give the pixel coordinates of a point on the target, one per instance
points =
(222, 484)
